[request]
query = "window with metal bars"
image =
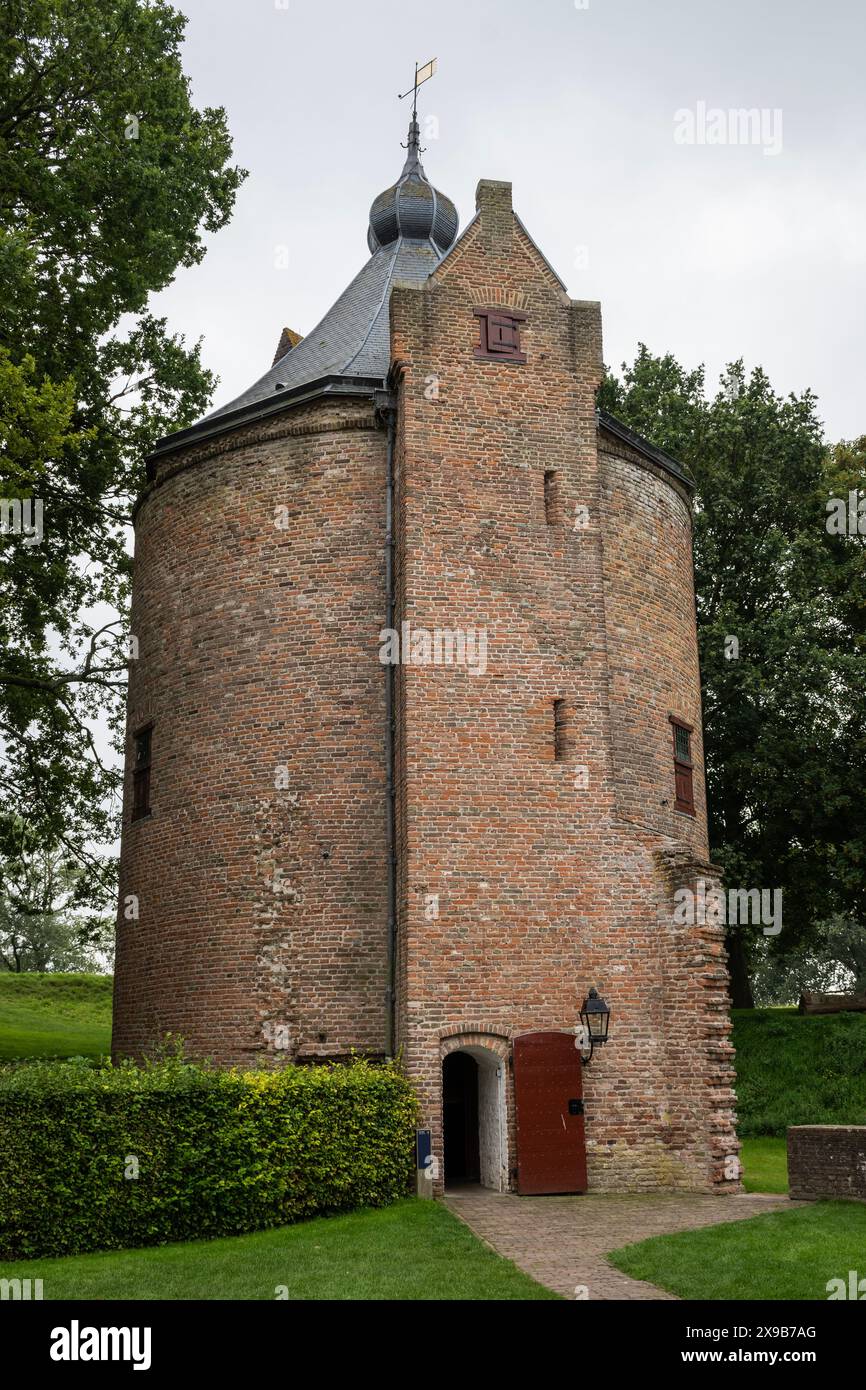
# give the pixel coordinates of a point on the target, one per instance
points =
(141, 774)
(683, 766)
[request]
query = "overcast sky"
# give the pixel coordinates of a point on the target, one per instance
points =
(710, 251)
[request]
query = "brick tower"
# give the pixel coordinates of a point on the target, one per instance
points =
(414, 735)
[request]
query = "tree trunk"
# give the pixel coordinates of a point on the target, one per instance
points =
(814, 1003)
(739, 986)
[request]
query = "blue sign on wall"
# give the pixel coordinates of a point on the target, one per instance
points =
(423, 1147)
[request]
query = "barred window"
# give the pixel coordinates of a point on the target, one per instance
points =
(683, 766)
(141, 774)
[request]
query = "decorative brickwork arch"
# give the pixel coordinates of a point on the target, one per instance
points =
(493, 1038)
(509, 298)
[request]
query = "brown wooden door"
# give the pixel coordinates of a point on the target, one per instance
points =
(548, 1090)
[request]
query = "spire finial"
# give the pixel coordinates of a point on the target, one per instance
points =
(412, 210)
(413, 148)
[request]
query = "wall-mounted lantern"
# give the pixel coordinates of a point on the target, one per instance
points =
(594, 1017)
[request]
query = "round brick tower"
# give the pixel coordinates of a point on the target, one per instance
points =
(414, 733)
(254, 869)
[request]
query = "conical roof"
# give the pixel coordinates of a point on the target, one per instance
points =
(412, 225)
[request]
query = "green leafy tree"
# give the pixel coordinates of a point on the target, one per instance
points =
(831, 960)
(109, 180)
(43, 925)
(784, 717)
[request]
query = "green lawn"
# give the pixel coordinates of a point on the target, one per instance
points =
(798, 1070)
(789, 1070)
(413, 1250)
(54, 1015)
(765, 1165)
(783, 1255)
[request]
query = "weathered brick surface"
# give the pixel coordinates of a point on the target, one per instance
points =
(259, 649)
(260, 906)
(545, 885)
(827, 1161)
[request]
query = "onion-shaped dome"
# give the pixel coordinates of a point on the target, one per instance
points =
(412, 226)
(412, 207)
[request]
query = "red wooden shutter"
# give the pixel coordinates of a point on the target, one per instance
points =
(499, 334)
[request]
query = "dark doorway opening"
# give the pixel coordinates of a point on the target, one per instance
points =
(460, 1118)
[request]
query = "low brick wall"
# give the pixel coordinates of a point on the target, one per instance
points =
(827, 1161)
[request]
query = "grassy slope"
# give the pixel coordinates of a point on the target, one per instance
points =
(798, 1070)
(54, 1015)
(765, 1165)
(782, 1255)
(412, 1250)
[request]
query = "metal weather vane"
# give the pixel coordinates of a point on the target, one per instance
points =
(422, 74)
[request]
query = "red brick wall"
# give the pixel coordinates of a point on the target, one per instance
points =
(651, 640)
(545, 885)
(827, 1161)
(258, 650)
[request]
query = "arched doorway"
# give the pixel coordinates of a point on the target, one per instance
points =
(473, 1115)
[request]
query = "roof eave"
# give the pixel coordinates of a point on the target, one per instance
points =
(643, 446)
(331, 385)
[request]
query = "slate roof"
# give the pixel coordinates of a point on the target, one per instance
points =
(412, 225)
(354, 337)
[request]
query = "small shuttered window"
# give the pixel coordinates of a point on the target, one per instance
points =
(499, 335)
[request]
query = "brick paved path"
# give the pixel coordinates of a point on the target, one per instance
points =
(562, 1241)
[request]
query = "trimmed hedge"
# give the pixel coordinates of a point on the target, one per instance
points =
(218, 1152)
